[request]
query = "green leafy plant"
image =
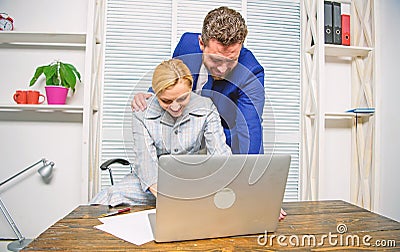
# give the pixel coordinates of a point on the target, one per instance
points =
(58, 74)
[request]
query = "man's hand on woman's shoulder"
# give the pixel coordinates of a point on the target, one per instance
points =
(139, 101)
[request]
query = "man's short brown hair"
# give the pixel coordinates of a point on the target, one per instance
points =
(225, 25)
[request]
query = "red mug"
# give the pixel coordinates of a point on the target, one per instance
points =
(20, 97)
(32, 97)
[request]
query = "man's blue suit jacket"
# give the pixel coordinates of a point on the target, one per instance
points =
(239, 98)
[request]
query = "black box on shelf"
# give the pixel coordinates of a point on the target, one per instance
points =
(328, 29)
(337, 23)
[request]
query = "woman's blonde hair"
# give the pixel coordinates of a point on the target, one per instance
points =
(168, 73)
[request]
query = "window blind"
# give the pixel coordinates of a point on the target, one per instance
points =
(139, 35)
(274, 38)
(137, 38)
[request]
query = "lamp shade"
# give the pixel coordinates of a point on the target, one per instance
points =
(46, 170)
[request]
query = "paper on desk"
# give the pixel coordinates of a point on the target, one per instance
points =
(133, 227)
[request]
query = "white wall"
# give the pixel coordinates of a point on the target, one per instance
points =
(334, 175)
(388, 56)
(26, 137)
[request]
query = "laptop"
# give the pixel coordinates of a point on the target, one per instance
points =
(203, 196)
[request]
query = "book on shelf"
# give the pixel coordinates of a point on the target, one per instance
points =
(361, 110)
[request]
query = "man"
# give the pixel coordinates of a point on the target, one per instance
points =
(229, 74)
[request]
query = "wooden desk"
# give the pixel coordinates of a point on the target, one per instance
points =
(305, 220)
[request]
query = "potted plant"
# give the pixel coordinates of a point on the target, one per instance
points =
(60, 77)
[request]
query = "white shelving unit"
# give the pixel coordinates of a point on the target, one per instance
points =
(76, 40)
(317, 116)
(88, 41)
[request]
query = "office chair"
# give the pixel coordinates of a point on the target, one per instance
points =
(106, 166)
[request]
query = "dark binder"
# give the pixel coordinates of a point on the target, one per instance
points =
(337, 23)
(345, 29)
(328, 22)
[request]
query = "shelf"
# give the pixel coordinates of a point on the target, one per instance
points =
(43, 38)
(42, 108)
(344, 115)
(343, 51)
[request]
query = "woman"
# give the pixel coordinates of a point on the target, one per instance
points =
(177, 121)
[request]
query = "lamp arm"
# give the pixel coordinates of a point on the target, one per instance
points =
(19, 173)
(11, 221)
(45, 172)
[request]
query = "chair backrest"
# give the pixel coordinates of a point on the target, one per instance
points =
(106, 166)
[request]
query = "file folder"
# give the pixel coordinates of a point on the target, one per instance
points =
(328, 22)
(337, 23)
(345, 29)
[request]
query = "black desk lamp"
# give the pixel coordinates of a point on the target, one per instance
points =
(45, 171)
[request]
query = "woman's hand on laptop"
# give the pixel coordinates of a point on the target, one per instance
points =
(282, 215)
(153, 189)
